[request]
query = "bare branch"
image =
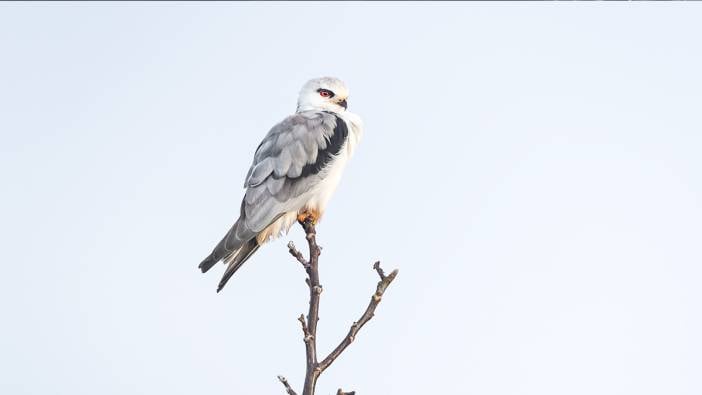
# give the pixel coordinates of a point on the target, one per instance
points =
(312, 371)
(298, 255)
(309, 324)
(288, 388)
(367, 315)
(379, 269)
(305, 331)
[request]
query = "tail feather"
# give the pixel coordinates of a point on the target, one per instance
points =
(208, 262)
(241, 256)
(228, 246)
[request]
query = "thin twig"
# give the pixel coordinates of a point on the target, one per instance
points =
(341, 392)
(379, 269)
(367, 315)
(305, 331)
(288, 388)
(298, 255)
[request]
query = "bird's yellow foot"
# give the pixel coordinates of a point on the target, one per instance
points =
(308, 215)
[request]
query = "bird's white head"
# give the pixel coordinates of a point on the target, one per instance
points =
(326, 93)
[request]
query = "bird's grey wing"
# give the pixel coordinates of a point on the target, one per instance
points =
(289, 162)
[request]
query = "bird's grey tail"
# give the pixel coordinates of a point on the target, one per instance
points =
(238, 259)
(227, 247)
(208, 262)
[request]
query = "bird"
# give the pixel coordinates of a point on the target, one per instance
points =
(295, 170)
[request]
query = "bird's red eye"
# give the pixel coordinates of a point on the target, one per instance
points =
(325, 93)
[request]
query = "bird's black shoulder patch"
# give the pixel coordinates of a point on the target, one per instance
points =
(324, 156)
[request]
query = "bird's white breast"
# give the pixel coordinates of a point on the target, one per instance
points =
(323, 191)
(316, 199)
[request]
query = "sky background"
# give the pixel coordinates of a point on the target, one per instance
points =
(533, 170)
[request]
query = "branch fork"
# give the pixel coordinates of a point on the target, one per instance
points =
(309, 324)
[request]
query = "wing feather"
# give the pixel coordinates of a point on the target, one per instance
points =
(288, 163)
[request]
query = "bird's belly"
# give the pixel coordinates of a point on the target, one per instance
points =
(319, 197)
(313, 201)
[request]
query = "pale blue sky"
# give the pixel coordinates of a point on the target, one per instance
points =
(533, 170)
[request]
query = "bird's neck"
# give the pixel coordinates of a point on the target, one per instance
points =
(315, 107)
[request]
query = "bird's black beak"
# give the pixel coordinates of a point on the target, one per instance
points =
(343, 104)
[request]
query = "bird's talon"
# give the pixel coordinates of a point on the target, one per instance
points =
(308, 217)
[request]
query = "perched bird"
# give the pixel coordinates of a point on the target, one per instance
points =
(295, 170)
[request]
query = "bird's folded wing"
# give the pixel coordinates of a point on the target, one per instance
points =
(289, 162)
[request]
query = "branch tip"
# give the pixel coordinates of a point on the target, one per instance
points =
(287, 386)
(377, 268)
(305, 329)
(376, 297)
(298, 255)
